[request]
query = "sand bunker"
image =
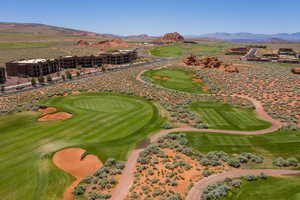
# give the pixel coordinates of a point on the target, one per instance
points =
(70, 161)
(161, 78)
(47, 110)
(55, 116)
(196, 80)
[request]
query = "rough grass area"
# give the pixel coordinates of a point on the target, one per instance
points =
(178, 49)
(224, 116)
(178, 79)
(107, 125)
(20, 45)
(280, 143)
(283, 188)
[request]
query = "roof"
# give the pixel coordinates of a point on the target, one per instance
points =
(31, 61)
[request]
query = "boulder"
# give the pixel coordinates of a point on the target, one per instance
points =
(231, 69)
(296, 70)
(83, 43)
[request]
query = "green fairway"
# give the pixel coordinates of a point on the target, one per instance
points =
(278, 144)
(108, 125)
(19, 45)
(178, 79)
(286, 188)
(167, 51)
(178, 49)
(223, 116)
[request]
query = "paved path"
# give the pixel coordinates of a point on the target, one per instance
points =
(196, 192)
(127, 177)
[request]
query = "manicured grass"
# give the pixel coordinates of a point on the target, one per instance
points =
(107, 125)
(283, 188)
(167, 51)
(223, 116)
(280, 143)
(179, 79)
(178, 49)
(20, 45)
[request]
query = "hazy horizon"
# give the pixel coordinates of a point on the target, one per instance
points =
(155, 18)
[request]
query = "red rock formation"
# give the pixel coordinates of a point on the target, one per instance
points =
(296, 70)
(170, 37)
(210, 62)
(83, 43)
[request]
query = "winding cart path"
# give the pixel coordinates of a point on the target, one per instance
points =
(127, 178)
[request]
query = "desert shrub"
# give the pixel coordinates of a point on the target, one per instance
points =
(110, 162)
(250, 177)
(120, 165)
(236, 183)
(292, 162)
(87, 180)
(280, 162)
(167, 125)
(207, 173)
(79, 189)
(263, 175)
(234, 162)
(205, 162)
(157, 192)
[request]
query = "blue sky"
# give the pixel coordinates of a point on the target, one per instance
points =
(155, 17)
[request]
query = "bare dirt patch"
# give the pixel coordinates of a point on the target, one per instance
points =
(70, 160)
(47, 110)
(197, 80)
(55, 116)
(165, 78)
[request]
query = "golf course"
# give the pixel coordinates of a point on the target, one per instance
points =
(224, 116)
(105, 124)
(177, 79)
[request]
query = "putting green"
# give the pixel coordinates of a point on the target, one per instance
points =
(176, 79)
(286, 188)
(223, 116)
(107, 125)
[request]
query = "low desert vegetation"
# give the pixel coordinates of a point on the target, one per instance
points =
(105, 124)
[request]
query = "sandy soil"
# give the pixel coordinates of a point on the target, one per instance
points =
(47, 110)
(196, 80)
(69, 160)
(55, 116)
(161, 77)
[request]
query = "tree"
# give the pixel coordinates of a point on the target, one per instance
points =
(33, 82)
(49, 79)
(41, 79)
(2, 88)
(69, 75)
(63, 77)
(77, 74)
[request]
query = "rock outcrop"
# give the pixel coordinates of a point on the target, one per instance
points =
(83, 43)
(210, 62)
(296, 70)
(171, 37)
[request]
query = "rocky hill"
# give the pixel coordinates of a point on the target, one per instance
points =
(170, 37)
(41, 29)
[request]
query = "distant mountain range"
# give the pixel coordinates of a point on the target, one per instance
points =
(250, 37)
(42, 29)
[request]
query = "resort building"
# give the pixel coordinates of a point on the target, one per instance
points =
(41, 67)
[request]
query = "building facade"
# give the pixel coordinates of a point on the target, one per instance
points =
(41, 67)
(2, 75)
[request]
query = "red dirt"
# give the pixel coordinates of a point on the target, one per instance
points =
(161, 77)
(47, 110)
(69, 160)
(196, 80)
(55, 116)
